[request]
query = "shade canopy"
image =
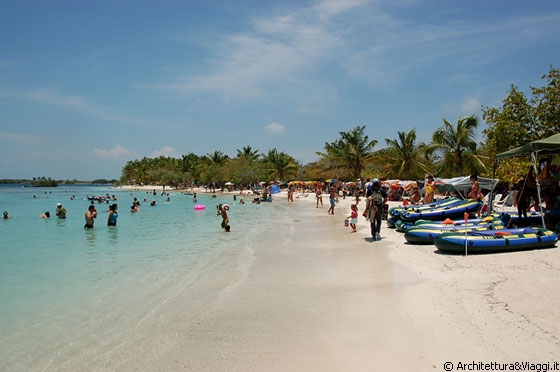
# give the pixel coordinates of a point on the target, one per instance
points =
(549, 145)
(464, 184)
(545, 146)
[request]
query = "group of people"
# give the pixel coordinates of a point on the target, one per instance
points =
(527, 197)
(333, 196)
(90, 215)
(376, 199)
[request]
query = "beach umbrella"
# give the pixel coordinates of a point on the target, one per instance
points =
(395, 185)
(228, 184)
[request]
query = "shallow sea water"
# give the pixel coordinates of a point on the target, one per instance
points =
(66, 292)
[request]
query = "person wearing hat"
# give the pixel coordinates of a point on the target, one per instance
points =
(60, 211)
(376, 199)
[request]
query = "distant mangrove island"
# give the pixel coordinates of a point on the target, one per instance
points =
(49, 182)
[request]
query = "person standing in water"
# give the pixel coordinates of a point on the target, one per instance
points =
(91, 215)
(113, 215)
(225, 219)
(60, 211)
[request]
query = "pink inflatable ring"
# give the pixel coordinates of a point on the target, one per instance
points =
(199, 207)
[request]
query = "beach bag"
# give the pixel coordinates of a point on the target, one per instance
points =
(345, 223)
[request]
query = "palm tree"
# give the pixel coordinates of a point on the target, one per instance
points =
(280, 164)
(217, 157)
(248, 153)
(456, 146)
(405, 155)
(351, 152)
(190, 165)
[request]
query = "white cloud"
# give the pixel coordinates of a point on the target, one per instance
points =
(467, 107)
(470, 106)
(333, 7)
(275, 128)
(165, 151)
(115, 153)
(275, 52)
(52, 97)
(19, 137)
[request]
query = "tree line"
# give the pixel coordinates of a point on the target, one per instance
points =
(453, 150)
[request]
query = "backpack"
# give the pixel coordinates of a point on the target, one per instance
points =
(376, 197)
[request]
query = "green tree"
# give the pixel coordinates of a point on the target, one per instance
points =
(456, 147)
(519, 120)
(217, 157)
(248, 153)
(405, 156)
(546, 101)
(280, 165)
(510, 126)
(349, 153)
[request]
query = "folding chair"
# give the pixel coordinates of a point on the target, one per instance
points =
(499, 202)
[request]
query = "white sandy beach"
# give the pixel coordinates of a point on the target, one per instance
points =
(329, 300)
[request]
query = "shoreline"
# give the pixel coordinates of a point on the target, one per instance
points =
(327, 299)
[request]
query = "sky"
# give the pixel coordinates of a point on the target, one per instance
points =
(86, 86)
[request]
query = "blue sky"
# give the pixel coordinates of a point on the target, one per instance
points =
(86, 86)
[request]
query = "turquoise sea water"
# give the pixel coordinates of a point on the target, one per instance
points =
(66, 292)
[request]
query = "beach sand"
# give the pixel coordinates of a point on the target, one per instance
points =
(325, 299)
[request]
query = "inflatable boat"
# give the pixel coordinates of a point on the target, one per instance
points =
(442, 212)
(426, 234)
(505, 240)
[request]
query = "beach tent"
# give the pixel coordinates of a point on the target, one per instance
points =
(545, 146)
(462, 185)
(275, 189)
(549, 145)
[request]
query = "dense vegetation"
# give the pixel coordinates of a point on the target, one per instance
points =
(35, 182)
(453, 150)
